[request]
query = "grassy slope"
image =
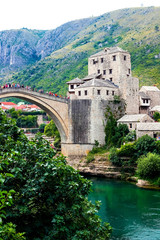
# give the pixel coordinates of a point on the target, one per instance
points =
(136, 30)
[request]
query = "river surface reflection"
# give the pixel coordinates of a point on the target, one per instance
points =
(133, 213)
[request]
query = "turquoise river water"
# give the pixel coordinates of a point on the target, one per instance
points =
(134, 213)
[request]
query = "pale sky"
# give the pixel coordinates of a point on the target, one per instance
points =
(49, 14)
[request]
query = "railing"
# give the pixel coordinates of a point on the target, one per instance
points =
(34, 93)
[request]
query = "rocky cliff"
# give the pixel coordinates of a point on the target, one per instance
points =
(22, 47)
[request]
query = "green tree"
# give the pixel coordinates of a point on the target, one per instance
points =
(156, 116)
(114, 134)
(42, 127)
(51, 130)
(13, 113)
(7, 230)
(144, 145)
(50, 200)
(110, 130)
(27, 121)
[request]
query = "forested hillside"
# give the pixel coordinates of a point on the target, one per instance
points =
(62, 54)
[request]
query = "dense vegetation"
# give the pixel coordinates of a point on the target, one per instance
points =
(136, 30)
(51, 130)
(24, 120)
(40, 194)
(144, 154)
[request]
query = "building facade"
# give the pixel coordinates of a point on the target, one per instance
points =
(109, 75)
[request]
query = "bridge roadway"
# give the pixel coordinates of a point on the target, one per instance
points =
(56, 107)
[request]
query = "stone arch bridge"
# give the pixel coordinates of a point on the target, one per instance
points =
(79, 121)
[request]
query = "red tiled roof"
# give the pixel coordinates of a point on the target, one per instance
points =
(8, 103)
(33, 106)
(4, 108)
(21, 107)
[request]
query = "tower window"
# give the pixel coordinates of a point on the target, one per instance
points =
(72, 86)
(112, 93)
(94, 62)
(125, 58)
(101, 60)
(98, 70)
(110, 71)
(129, 70)
(79, 93)
(85, 92)
(114, 57)
(98, 92)
(104, 72)
(130, 125)
(111, 79)
(107, 92)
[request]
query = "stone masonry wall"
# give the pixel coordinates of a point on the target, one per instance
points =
(113, 69)
(79, 114)
(87, 119)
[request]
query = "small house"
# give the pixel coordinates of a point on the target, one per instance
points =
(132, 120)
(150, 128)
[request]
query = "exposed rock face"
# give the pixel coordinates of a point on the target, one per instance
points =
(59, 37)
(99, 167)
(19, 48)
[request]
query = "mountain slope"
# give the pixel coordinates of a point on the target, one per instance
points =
(17, 48)
(136, 30)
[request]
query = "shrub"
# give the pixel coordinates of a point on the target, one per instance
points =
(127, 150)
(130, 137)
(149, 166)
(144, 145)
(158, 147)
(90, 157)
(156, 116)
(113, 157)
(41, 127)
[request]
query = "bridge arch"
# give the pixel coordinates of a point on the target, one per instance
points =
(57, 108)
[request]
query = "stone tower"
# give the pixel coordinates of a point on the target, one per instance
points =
(114, 64)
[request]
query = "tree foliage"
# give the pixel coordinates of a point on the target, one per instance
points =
(51, 130)
(156, 116)
(50, 199)
(114, 134)
(144, 145)
(27, 121)
(24, 120)
(149, 166)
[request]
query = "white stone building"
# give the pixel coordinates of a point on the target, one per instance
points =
(153, 93)
(152, 129)
(155, 109)
(133, 120)
(111, 67)
(97, 89)
(109, 75)
(73, 84)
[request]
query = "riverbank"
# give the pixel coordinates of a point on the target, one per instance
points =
(102, 167)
